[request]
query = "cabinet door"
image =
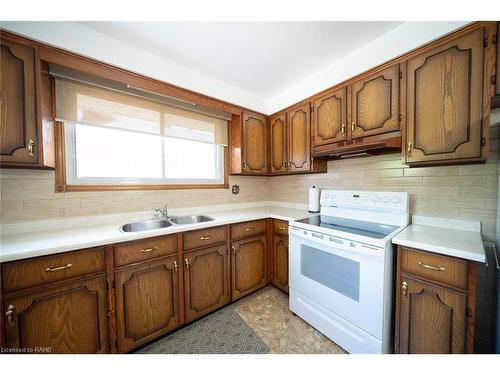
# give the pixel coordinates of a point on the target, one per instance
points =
(67, 319)
(205, 281)
(444, 99)
(329, 118)
(249, 265)
(18, 120)
(299, 139)
(146, 302)
(375, 103)
(254, 144)
(280, 279)
(278, 136)
(432, 318)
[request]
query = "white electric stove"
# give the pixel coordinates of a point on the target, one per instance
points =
(341, 267)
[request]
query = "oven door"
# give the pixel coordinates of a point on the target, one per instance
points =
(344, 277)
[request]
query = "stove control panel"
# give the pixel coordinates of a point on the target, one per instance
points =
(374, 200)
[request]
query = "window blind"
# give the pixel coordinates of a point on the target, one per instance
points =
(80, 103)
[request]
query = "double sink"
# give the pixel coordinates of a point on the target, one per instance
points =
(140, 226)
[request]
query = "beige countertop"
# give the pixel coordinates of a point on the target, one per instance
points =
(38, 241)
(461, 240)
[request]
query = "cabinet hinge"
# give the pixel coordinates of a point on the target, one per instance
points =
(468, 312)
(494, 39)
(483, 141)
(485, 42)
(400, 75)
(400, 117)
(493, 79)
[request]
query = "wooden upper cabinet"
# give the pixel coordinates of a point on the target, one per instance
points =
(278, 136)
(66, 319)
(299, 138)
(329, 118)
(18, 119)
(432, 319)
(375, 104)
(254, 147)
(205, 281)
(444, 102)
(249, 266)
(147, 302)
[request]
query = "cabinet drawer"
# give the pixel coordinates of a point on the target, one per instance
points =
(42, 270)
(141, 250)
(204, 237)
(248, 228)
(280, 227)
(433, 267)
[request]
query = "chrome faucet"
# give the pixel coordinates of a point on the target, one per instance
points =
(161, 213)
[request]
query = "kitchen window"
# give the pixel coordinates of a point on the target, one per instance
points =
(116, 140)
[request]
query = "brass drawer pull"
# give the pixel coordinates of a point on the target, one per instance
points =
(148, 250)
(353, 127)
(31, 148)
(408, 150)
(8, 315)
(249, 229)
(203, 238)
(404, 288)
(440, 269)
(48, 269)
(282, 228)
(343, 129)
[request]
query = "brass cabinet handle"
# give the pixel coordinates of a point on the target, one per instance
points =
(8, 315)
(203, 238)
(408, 150)
(55, 269)
(148, 250)
(343, 129)
(186, 262)
(234, 249)
(176, 267)
(31, 148)
(282, 228)
(404, 288)
(244, 165)
(440, 269)
(353, 127)
(249, 229)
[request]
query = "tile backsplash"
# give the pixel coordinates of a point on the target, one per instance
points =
(464, 191)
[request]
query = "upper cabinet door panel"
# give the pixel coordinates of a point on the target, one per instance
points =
(445, 94)
(375, 103)
(278, 144)
(254, 144)
(299, 139)
(330, 118)
(18, 126)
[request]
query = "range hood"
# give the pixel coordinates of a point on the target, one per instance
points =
(375, 145)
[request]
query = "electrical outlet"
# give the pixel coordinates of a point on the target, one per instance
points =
(235, 189)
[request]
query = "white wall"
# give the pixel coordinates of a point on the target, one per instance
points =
(80, 39)
(396, 42)
(77, 38)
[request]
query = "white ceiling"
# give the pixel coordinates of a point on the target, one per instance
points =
(263, 58)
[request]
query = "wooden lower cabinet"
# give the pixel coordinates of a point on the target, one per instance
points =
(205, 281)
(147, 302)
(66, 319)
(280, 274)
(433, 318)
(248, 266)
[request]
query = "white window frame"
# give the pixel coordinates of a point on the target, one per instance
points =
(72, 179)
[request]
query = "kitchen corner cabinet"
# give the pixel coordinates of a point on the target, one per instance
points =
(279, 143)
(254, 144)
(26, 124)
(435, 303)
(248, 266)
(66, 319)
(205, 281)
(447, 87)
(147, 302)
(299, 138)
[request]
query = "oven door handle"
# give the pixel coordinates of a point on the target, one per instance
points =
(341, 245)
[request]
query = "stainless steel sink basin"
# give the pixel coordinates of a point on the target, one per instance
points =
(146, 225)
(193, 219)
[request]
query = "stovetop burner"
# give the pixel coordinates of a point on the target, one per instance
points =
(362, 228)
